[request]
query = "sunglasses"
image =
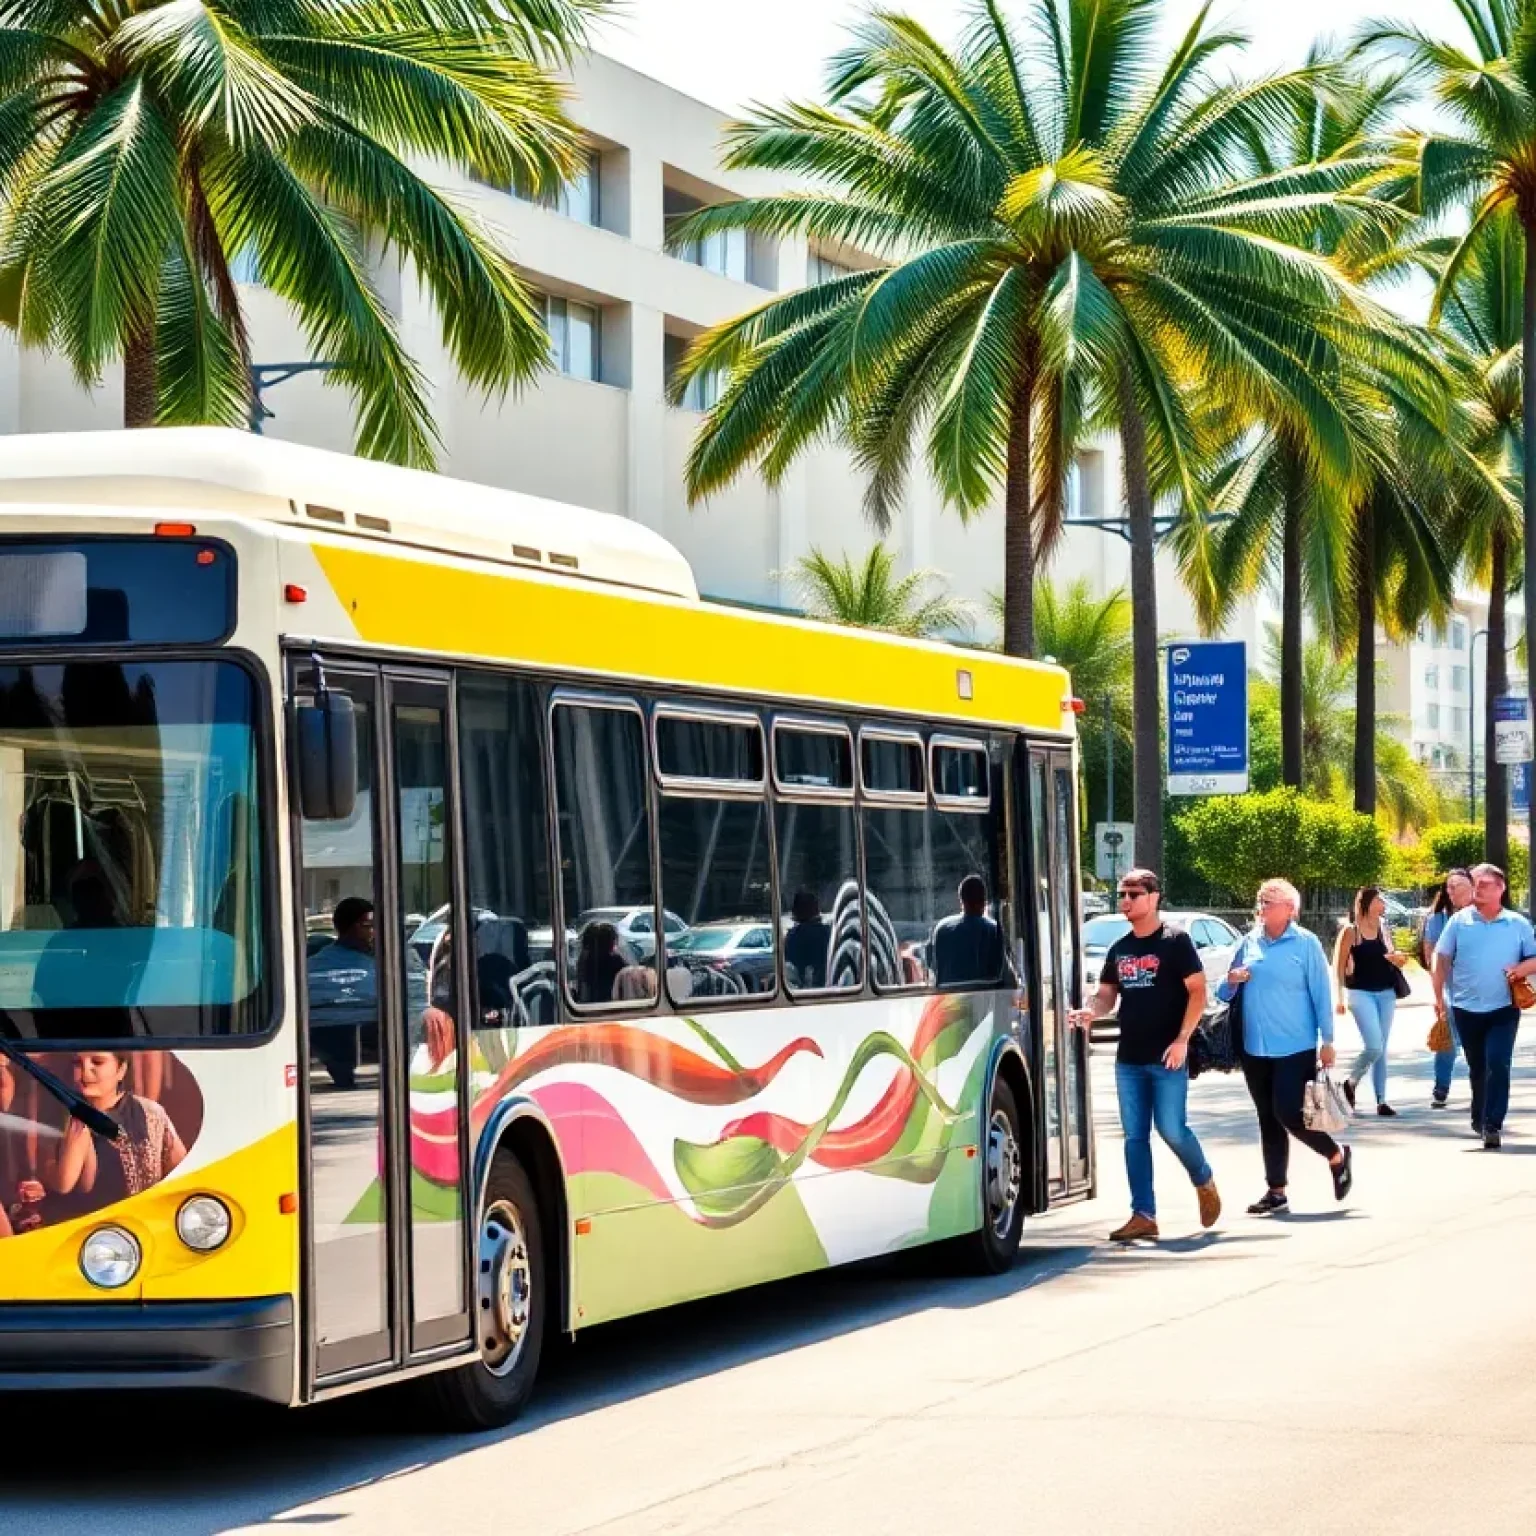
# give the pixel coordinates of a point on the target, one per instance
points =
(1130, 894)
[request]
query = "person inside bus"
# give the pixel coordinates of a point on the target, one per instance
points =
(343, 990)
(968, 947)
(808, 942)
(598, 963)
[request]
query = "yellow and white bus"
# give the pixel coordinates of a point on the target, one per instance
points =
(426, 924)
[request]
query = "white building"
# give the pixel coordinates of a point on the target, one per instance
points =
(599, 431)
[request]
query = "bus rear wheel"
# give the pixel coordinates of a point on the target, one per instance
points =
(510, 1307)
(992, 1249)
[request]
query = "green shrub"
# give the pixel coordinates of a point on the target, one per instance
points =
(1462, 843)
(1239, 841)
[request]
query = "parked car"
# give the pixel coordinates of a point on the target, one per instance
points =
(1095, 904)
(636, 927)
(1214, 938)
(743, 950)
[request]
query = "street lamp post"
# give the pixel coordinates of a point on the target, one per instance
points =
(265, 375)
(1472, 724)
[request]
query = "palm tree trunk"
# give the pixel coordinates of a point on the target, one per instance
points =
(1018, 527)
(1147, 731)
(1496, 796)
(1528, 418)
(139, 383)
(1365, 662)
(1290, 626)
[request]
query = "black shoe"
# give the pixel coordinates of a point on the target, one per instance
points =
(1438, 1100)
(1385, 1109)
(1349, 1092)
(1269, 1204)
(1343, 1175)
(1491, 1142)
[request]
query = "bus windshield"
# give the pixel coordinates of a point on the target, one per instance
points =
(130, 862)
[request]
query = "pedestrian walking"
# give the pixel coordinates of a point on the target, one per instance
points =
(1367, 968)
(1483, 948)
(1156, 976)
(1455, 893)
(1287, 1029)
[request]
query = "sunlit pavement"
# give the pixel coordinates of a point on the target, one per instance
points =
(1365, 1368)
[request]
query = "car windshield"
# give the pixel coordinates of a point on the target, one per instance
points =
(130, 867)
(1101, 932)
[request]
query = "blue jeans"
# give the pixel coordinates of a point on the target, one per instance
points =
(1373, 1013)
(1445, 1061)
(1489, 1041)
(1149, 1095)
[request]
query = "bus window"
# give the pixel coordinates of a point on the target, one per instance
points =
(715, 866)
(819, 886)
(502, 762)
(604, 829)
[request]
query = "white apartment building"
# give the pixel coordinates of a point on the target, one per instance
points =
(597, 430)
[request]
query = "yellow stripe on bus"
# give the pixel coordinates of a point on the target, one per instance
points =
(422, 605)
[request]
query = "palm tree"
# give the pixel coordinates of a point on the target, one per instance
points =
(869, 594)
(1488, 165)
(1064, 243)
(143, 146)
(1481, 317)
(1328, 734)
(1349, 550)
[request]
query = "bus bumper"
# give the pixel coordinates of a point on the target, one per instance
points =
(241, 1347)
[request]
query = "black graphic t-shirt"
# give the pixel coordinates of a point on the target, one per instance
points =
(1149, 975)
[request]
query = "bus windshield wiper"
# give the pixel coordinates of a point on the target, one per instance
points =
(78, 1106)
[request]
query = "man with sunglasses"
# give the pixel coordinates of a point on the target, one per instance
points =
(1156, 976)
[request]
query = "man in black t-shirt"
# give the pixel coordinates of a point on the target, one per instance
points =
(1155, 974)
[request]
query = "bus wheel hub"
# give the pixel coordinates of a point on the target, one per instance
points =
(1004, 1174)
(505, 1288)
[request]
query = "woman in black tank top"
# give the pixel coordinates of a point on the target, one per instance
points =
(1366, 966)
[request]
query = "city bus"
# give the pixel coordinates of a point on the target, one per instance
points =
(428, 927)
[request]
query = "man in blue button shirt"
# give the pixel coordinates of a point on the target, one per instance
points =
(1482, 949)
(1287, 1030)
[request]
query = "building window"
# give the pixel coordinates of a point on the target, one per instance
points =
(822, 269)
(1458, 679)
(1458, 635)
(575, 337)
(577, 198)
(1433, 717)
(245, 266)
(703, 391)
(1458, 720)
(1431, 677)
(725, 253)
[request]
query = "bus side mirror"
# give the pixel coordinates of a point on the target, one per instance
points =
(327, 741)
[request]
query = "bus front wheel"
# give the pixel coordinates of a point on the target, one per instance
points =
(993, 1249)
(510, 1306)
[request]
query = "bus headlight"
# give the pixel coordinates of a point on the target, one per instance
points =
(110, 1258)
(203, 1223)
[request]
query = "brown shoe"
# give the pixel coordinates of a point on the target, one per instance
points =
(1210, 1203)
(1137, 1227)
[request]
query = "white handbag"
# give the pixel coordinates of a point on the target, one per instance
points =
(1323, 1105)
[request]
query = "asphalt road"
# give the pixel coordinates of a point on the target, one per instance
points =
(1364, 1368)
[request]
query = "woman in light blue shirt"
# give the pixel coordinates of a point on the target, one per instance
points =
(1287, 1029)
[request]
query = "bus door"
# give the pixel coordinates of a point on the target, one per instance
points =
(385, 1151)
(1053, 820)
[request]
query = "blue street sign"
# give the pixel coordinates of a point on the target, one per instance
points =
(1207, 717)
(1520, 788)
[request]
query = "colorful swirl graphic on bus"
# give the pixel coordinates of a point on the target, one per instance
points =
(53, 1169)
(723, 1180)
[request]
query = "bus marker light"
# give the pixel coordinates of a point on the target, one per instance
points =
(175, 530)
(206, 557)
(583, 1226)
(110, 1258)
(1076, 706)
(964, 686)
(970, 1151)
(294, 593)
(203, 1223)
(287, 1204)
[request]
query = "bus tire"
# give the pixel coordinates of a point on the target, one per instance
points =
(992, 1249)
(511, 1307)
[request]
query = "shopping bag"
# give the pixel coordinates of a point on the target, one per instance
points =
(1323, 1105)
(1440, 1034)
(1216, 1044)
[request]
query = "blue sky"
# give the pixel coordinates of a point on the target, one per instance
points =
(730, 52)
